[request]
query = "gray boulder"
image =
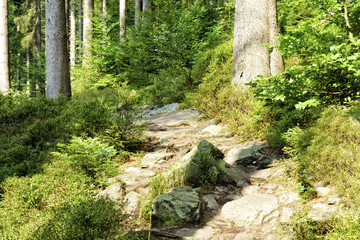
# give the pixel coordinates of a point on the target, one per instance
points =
(245, 154)
(181, 203)
(114, 192)
(153, 111)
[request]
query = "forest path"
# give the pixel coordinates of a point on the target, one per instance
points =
(254, 211)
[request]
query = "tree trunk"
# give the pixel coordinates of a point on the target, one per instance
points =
(80, 29)
(57, 57)
(4, 49)
(88, 27)
(255, 26)
(28, 84)
(138, 9)
(146, 7)
(104, 12)
(276, 61)
(38, 47)
(67, 21)
(122, 15)
(72, 34)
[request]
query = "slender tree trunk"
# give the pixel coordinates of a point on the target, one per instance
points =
(346, 16)
(104, 12)
(122, 15)
(28, 84)
(4, 49)
(67, 22)
(255, 26)
(81, 32)
(138, 9)
(72, 34)
(18, 72)
(57, 57)
(38, 46)
(88, 27)
(146, 7)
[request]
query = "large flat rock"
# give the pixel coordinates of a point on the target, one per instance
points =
(251, 210)
(176, 119)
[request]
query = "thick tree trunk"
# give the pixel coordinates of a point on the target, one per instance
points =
(88, 26)
(57, 57)
(276, 61)
(80, 29)
(255, 26)
(138, 9)
(4, 49)
(122, 15)
(72, 34)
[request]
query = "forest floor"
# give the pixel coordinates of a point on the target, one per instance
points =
(255, 210)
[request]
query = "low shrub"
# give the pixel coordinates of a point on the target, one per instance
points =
(89, 156)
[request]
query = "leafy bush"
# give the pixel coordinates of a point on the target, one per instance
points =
(88, 219)
(33, 126)
(89, 155)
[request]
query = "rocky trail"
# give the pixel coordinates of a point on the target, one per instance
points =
(253, 205)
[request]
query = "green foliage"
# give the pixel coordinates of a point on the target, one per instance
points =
(89, 155)
(329, 150)
(321, 59)
(29, 127)
(33, 126)
(218, 99)
(88, 219)
(50, 197)
(158, 55)
(344, 225)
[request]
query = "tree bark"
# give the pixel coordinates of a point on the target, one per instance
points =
(80, 29)
(255, 26)
(138, 9)
(38, 47)
(57, 57)
(72, 34)
(276, 61)
(67, 21)
(122, 15)
(28, 84)
(346, 16)
(104, 12)
(146, 7)
(4, 49)
(88, 26)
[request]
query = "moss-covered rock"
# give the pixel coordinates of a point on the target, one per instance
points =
(180, 204)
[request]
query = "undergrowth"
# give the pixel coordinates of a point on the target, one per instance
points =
(328, 151)
(217, 99)
(55, 156)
